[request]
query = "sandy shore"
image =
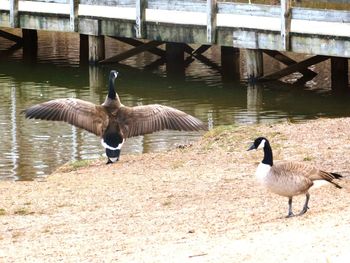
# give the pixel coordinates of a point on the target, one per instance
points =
(197, 204)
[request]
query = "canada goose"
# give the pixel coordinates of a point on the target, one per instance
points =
(113, 121)
(288, 178)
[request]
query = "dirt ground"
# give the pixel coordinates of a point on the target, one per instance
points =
(200, 203)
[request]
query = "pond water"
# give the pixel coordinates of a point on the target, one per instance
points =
(32, 149)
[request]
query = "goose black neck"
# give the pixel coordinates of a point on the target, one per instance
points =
(268, 159)
(111, 91)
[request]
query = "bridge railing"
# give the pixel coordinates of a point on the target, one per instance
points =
(86, 16)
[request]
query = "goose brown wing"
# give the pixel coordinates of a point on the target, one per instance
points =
(82, 114)
(140, 120)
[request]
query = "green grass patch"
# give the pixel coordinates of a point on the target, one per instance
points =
(2, 212)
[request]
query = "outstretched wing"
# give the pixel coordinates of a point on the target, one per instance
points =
(82, 114)
(140, 120)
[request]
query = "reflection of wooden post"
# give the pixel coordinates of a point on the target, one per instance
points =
(254, 99)
(96, 79)
(14, 21)
(96, 49)
(175, 57)
(230, 63)
(339, 72)
(30, 44)
(255, 65)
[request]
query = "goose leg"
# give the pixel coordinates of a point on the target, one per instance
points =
(290, 212)
(305, 208)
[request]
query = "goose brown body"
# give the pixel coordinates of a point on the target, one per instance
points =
(112, 121)
(294, 178)
(289, 178)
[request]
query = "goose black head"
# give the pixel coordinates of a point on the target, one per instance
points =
(259, 143)
(111, 92)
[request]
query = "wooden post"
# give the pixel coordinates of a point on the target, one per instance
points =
(254, 97)
(140, 26)
(286, 16)
(74, 7)
(230, 63)
(340, 76)
(211, 21)
(255, 65)
(175, 59)
(30, 44)
(14, 21)
(83, 49)
(96, 49)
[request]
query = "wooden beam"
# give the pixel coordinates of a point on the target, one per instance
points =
(14, 20)
(175, 60)
(73, 15)
(288, 61)
(134, 42)
(197, 53)
(140, 26)
(211, 21)
(11, 37)
(286, 16)
(294, 68)
(131, 52)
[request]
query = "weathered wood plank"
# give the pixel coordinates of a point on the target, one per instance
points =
(14, 20)
(294, 68)
(285, 24)
(140, 26)
(211, 21)
(96, 49)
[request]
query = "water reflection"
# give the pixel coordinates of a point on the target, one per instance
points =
(33, 148)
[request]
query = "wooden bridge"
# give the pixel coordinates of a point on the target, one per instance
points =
(269, 29)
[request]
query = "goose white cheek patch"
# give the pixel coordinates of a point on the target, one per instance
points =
(262, 144)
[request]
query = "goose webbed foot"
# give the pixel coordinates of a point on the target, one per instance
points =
(109, 161)
(303, 211)
(290, 214)
(306, 207)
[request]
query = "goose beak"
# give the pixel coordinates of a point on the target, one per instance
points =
(252, 147)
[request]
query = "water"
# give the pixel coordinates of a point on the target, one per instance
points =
(32, 149)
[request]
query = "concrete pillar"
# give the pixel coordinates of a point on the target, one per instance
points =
(84, 49)
(339, 74)
(30, 44)
(96, 49)
(175, 59)
(230, 63)
(255, 65)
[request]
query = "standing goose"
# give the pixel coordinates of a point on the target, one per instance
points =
(288, 178)
(112, 121)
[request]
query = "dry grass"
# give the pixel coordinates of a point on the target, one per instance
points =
(197, 204)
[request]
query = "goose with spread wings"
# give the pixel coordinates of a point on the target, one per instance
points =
(112, 121)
